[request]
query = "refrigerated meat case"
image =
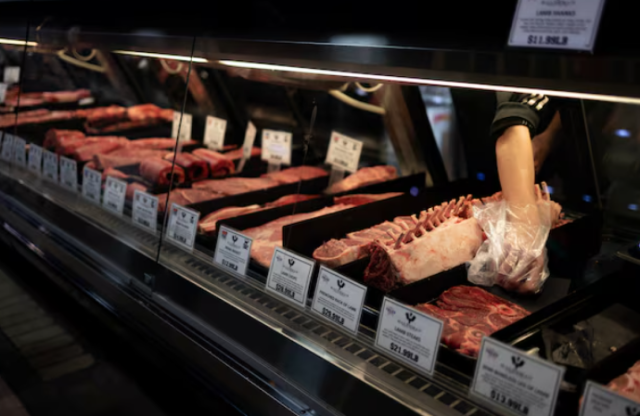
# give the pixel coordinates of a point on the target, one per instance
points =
(264, 353)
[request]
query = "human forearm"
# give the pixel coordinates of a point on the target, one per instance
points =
(515, 166)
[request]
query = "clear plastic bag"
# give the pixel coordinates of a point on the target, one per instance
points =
(513, 255)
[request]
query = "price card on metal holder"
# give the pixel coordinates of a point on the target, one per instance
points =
(247, 146)
(510, 379)
(601, 401)
(19, 151)
(69, 173)
(35, 159)
(339, 299)
(115, 191)
(50, 165)
(182, 227)
(290, 275)
(144, 213)
(276, 147)
(91, 185)
(409, 334)
(214, 132)
(233, 250)
(344, 152)
(7, 148)
(556, 24)
(12, 74)
(181, 127)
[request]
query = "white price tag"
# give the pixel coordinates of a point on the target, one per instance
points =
(247, 145)
(276, 147)
(3, 92)
(11, 74)
(600, 401)
(556, 24)
(183, 223)
(289, 276)
(233, 250)
(344, 152)
(144, 213)
(91, 185)
(7, 147)
(214, 132)
(35, 159)
(19, 151)
(50, 165)
(184, 132)
(86, 101)
(514, 381)
(339, 299)
(69, 173)
(409, 334)
(115, 191)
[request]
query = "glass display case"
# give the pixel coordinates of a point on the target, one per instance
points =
(299, 218)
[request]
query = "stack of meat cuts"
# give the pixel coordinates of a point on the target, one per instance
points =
(115, 118)
(410, 248)
(269, 236)
(207, 224)
(161, 172)
(364, 177)
(470, 313)
(628, 384)
(219, 164)
(196, 169)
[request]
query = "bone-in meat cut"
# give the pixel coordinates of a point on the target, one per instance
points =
(235, 186)
(196, 169)
(364, 177)
(158, 172)
(300, 173)
(628, 384)
(219, 164)
(269, 236)
(469, 314)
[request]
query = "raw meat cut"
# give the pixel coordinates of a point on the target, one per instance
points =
(195, 168)
(362, 199)
(86, 152)
(237, 154)
(219, 164)
(235, 186)
(300, 173)
(469, 314)
(114, 173)
(158, 143)
(268, 236)
(363, 177)
(131, 189)
(34, 117)
(628, 384)
(289, 199)
(53, 136)
(207, 225)
(441, 238)
(121, 126)
(186, 197)
(115, 118)
(68, 146)
(65, 96)
(158, 172)
(147, 112)
(99, 116)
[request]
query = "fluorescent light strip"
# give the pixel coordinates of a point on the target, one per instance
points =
(408, 80)
(18, 42)
(163, 56)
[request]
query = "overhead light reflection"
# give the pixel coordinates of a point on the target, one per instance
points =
(18, 42)
(409, 80)
(163, 56)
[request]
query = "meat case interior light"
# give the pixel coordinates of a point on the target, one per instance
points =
(19, 42)
(164, 56)
(424, 81)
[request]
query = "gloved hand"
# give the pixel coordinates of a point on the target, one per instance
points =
(515, 109)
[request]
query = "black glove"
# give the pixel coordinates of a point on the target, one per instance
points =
(515, 109)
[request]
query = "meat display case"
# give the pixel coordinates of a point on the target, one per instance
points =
(85, 195)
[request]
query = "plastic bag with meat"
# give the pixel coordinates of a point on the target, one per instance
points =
(514, 255)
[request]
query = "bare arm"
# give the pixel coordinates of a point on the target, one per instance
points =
(515, 166)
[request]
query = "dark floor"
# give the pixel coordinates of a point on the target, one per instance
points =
(60, 358)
